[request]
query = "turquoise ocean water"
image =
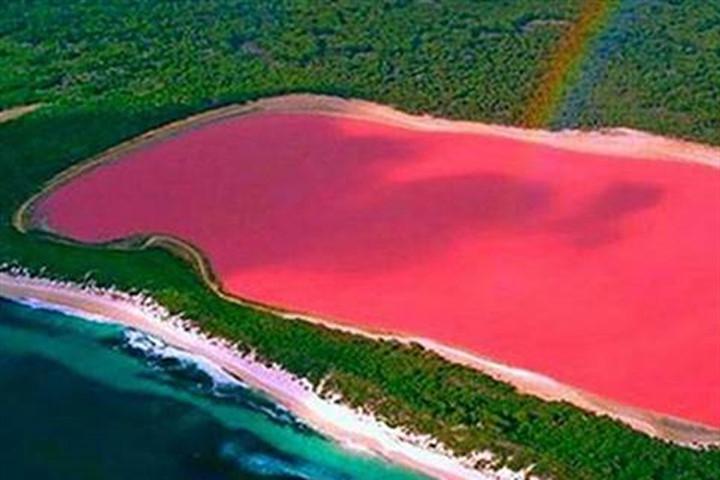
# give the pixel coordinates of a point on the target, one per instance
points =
(87, 400)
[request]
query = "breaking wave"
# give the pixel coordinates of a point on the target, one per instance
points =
(265, 464)
(180, 368)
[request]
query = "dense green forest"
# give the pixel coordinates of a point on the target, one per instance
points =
(109, 70)
(655, 67)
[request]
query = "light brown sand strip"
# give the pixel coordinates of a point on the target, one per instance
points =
(17, 112)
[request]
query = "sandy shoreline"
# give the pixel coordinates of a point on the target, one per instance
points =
(624, 142)
(353, 429)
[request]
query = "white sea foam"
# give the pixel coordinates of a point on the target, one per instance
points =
(155, 347)
(223, 383)
(68, 311)
(268, 465)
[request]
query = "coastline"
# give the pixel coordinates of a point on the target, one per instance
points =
(352, 429)
(629, 143)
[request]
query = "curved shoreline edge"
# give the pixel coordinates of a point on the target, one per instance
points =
(613, 142)
(352, 429)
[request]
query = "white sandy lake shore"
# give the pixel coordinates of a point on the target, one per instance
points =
(352, 429)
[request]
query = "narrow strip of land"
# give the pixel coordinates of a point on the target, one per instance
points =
(17, 112)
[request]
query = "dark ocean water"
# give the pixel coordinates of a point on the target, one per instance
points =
(87, 400)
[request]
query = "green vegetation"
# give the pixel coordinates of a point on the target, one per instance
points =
(655, 67)
(469, 59)
(110, 70)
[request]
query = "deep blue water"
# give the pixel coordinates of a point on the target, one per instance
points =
(86, 400)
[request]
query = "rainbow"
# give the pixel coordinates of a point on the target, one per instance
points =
(568, 54)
